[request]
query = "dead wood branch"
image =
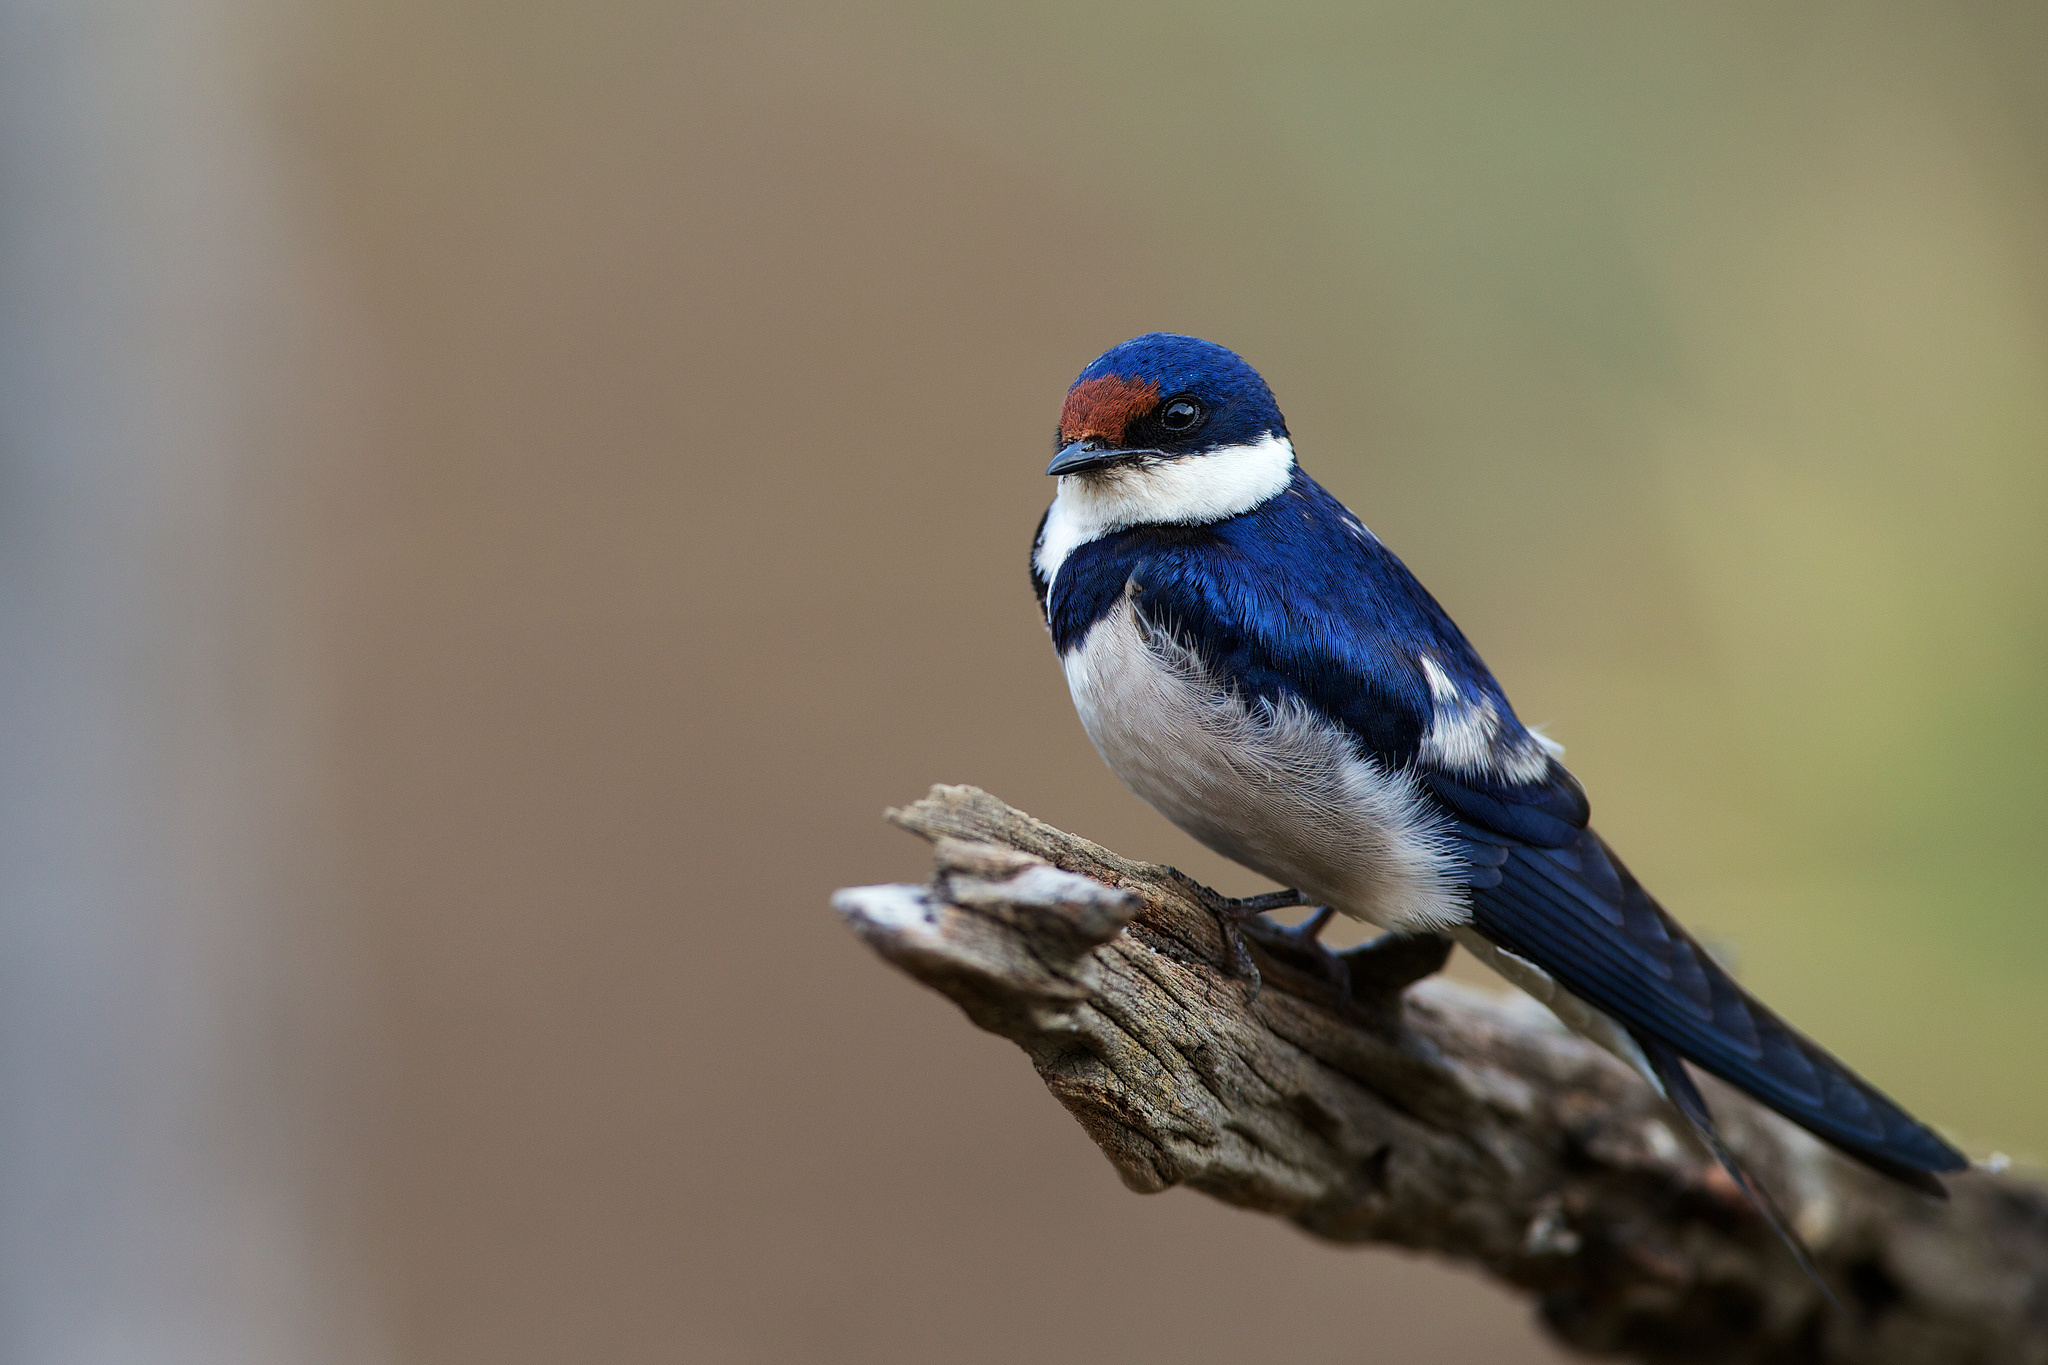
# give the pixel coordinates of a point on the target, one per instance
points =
(1441, 1119)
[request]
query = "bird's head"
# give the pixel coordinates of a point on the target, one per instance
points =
(1160, 398)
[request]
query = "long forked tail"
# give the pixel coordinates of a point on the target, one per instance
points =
(1685, 1097)
(1579, 915)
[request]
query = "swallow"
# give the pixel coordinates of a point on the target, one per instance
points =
(1249, 659)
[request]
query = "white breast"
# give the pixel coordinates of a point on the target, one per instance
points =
(1278, 789)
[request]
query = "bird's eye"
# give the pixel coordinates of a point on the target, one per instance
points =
(1180, 414)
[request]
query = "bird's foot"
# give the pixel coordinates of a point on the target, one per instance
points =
(1243, 908)
(1387, 965)
(1381, 968)
(1303, 942)
(1233, 914)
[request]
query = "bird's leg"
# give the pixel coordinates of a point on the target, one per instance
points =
(1305, 940)
(1381, 967)
(1391, 963)
(1244, 907)
(1309, 933)
(1242, 918)
(1233, 913)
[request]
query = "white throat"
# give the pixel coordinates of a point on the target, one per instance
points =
(1184, 492)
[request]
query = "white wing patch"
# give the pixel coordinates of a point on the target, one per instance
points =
(1277, 788)
(1186, 491)
(1464, 734)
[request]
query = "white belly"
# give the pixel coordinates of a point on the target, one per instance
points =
(1285, 793)
(1278, 789)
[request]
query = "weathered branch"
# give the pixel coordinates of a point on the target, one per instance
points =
(1441, 1119)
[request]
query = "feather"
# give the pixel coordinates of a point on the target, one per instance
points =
(1294, 609)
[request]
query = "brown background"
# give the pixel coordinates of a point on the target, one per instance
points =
(640, 437)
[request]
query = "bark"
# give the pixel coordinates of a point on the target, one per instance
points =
(1438, 1118)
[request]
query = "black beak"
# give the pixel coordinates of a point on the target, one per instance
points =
(1088, 453)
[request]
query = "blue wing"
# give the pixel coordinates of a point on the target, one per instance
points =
(1547, 888)
(1297, 601)
(1577, 912)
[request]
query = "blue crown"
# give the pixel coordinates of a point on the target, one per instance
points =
(1240, 406)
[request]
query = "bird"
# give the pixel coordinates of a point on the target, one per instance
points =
(1253, 662)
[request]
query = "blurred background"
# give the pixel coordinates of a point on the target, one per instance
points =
(495, 499)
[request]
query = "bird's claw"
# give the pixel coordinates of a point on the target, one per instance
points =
(1242, 908)
(1382, 967)
(1233, 913)
(1391, 963)
(1238, 916)
(1306, 939)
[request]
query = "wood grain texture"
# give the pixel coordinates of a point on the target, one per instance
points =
(1438, 1118)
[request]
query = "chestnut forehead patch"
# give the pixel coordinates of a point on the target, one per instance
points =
(1103, 407)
